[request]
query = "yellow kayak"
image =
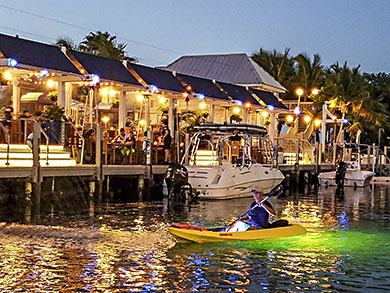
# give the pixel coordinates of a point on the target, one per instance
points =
(201, 235)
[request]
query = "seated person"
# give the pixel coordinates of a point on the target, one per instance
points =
(125, 139)
(121, 137)
(258, 215)
(259, 211)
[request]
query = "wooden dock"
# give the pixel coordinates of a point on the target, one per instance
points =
(122, 170)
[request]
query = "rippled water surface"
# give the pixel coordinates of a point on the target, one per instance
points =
(118, 247)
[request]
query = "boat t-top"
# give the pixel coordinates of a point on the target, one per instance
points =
(220, 163)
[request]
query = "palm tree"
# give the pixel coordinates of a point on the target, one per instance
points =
(101, 44)
(348, 91)
(105, 45)
(310, 74)
(279, 65)
(66, 42)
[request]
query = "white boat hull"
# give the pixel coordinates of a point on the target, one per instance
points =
(355, 178)
(219, 182)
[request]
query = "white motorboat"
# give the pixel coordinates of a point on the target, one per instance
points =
(354, 176)
(211, 171)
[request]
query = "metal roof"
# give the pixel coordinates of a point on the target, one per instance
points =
(106, 68)
(164, 80)
(203, 86)
(35, 54)
(235, 68)
(238, 93)
(268, 98)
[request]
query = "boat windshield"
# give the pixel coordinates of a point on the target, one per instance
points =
(240, 144)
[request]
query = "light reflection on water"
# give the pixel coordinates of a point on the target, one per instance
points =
(125, 247)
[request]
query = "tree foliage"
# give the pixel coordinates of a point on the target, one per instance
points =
(100, 43)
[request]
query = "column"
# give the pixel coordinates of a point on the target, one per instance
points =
(91, 98)
(245, 116)
(61, 94)
(68, 99)
(323, 129)
(16, 96)
(212, 113)
(272, 127)
(122, 110)
(171, 118)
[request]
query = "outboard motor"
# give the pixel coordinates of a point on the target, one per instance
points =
(341, 169)
(176, 180)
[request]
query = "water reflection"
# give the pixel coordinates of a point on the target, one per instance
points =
(126, 247)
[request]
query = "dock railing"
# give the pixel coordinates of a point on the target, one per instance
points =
(8, 142)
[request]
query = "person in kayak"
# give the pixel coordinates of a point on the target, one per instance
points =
(260, 210)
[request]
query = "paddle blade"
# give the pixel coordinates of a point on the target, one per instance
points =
(276, 191)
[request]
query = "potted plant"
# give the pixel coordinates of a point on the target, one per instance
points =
(53, 116)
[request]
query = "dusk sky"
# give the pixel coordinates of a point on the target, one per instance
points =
(158, 32)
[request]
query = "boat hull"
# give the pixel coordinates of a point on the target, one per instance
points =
(212, 236)
(352, 179)
(218, 182)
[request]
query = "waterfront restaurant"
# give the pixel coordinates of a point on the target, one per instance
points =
(74, 92)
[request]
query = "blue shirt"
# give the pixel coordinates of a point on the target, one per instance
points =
(259, 215)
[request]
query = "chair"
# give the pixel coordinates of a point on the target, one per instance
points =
(16, 131)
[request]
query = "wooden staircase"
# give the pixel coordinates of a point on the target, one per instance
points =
(20, 155)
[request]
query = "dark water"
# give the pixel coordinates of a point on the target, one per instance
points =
(119, 247)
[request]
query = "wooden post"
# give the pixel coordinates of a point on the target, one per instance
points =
(272, 127)
(36, 172)
(122, 110)
(27, 211)
(212, 113)
(140, 187)
(186, 144)
(368, 157)
(68, 100)
(16, 96)
(99, 161)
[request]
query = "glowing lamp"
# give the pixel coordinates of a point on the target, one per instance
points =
(345, 121)
(112, 93)
(201, 96)
(202, 105)
(270, 108)
(188, 87)
(315, 91)
(162, 99)
(7, 75)
(12, 62)
(297, 110)
(140, 97)
(142, 122)
(44, 72)
(264, 114)
(236, 110)
(289, 118)
(317, 123)
(239, 103)
(153, 88)
(185, 95)
(50, 83)
(299, 91)
(104, 91)
(247, 105)
(95, 79)
(307, 118)
(105, 119)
